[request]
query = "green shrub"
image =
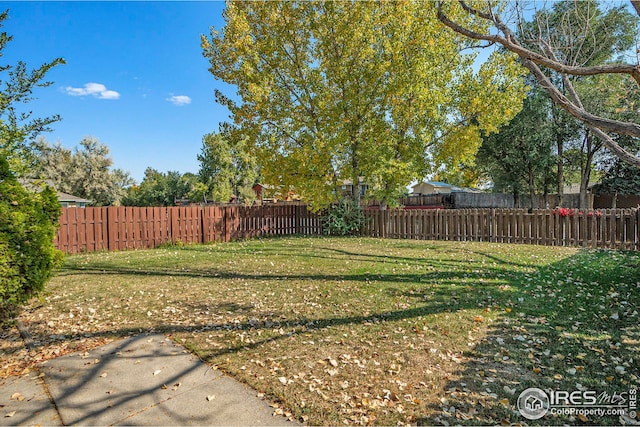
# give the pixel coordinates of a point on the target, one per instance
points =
(345, 218)
(28, 222)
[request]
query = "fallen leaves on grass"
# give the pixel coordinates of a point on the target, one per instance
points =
(379, 339)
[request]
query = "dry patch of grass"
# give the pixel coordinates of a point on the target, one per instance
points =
(364, 331)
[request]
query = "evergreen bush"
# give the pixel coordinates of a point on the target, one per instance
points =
(345, 218)
(28, 222)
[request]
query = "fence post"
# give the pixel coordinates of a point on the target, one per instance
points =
(226, 214)
(201, 224)
(173, 225)
(111, 228)
(169, 225)
(496, 225)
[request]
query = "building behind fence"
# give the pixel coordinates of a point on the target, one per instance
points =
(121, 228)
(616, 201)
(462, 200)
(508, 201)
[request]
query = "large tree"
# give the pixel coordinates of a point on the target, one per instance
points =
(84, 171)
(520, 158)
(160, 189)
(584, 34)
(566, 58)
(18, 129)
(227, 168)
(372, 92)
(620, 178)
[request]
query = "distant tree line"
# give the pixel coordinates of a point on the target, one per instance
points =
(227, 172)
(84, 171)
(332, 100)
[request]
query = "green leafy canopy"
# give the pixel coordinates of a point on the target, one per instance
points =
(85, 171)
(227, 168)
(328, 91)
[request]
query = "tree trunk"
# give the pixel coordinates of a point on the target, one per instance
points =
(559, 144)
(532, 190)
(355, 170)
(584, 197)
(545, 194)
(585, 171)
(356, 188)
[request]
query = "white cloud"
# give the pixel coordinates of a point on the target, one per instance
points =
(179, 100)
(109, 94)
(98, 90)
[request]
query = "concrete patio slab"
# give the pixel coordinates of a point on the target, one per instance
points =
(231, 404)
(149, 380)
(24, 401)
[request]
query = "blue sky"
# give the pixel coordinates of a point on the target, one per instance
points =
(135, 77)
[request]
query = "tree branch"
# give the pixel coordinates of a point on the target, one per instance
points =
(511, 44)
(532, 60)
(615, 148)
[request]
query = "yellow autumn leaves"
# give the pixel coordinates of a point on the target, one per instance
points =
(327, 91)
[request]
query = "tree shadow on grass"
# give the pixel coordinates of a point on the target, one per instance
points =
(577, 328)
(545, 305)
(305, 252)
(427, 272)
(447, 287)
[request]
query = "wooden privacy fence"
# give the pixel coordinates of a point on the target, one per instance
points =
(611, 228)
(119, 228)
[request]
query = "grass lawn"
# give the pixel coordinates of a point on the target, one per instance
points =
(364, 331)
